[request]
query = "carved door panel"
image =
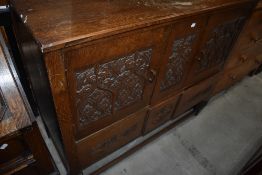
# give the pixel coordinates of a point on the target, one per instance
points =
(112, 78)
(176, 61)
(220, 34)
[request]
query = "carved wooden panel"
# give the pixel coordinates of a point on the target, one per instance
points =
(111, 86)
(92, 102)
(219, 43)
(175, 69)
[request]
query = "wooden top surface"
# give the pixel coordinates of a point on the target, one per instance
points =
(55, 23)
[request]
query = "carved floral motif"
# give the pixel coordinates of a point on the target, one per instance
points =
(175, 69)
(111, 86)
(92, 102)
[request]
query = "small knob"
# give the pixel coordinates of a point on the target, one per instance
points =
(243, 58)
(233, 77)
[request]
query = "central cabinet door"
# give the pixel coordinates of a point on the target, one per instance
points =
(176, 61)
(219, 36)
(112, 78)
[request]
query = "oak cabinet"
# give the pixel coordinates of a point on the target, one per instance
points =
(105, 73)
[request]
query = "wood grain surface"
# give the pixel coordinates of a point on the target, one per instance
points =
(57, 23)
(14, 113)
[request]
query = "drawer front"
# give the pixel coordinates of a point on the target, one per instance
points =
(239, 58)
(220, 35)
(109, 139)
(195, 94)
(160, 114)
(12, 149)
(231, 77)
(242, 57)
(240, 72)
(112, 78)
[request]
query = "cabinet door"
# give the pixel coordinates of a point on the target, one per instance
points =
(220, 34)
(177, 59)
(112, 78)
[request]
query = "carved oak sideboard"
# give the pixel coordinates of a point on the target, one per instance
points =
(104, 73)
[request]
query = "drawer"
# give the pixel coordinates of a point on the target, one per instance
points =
(195, 94)
(159, 114)
(109, 139)
(231, 77)
(240, 72)
(12, 149)
(242, 57)
(239, 57)
(112, 77)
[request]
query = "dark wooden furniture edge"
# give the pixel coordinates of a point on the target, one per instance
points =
(52, 131)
